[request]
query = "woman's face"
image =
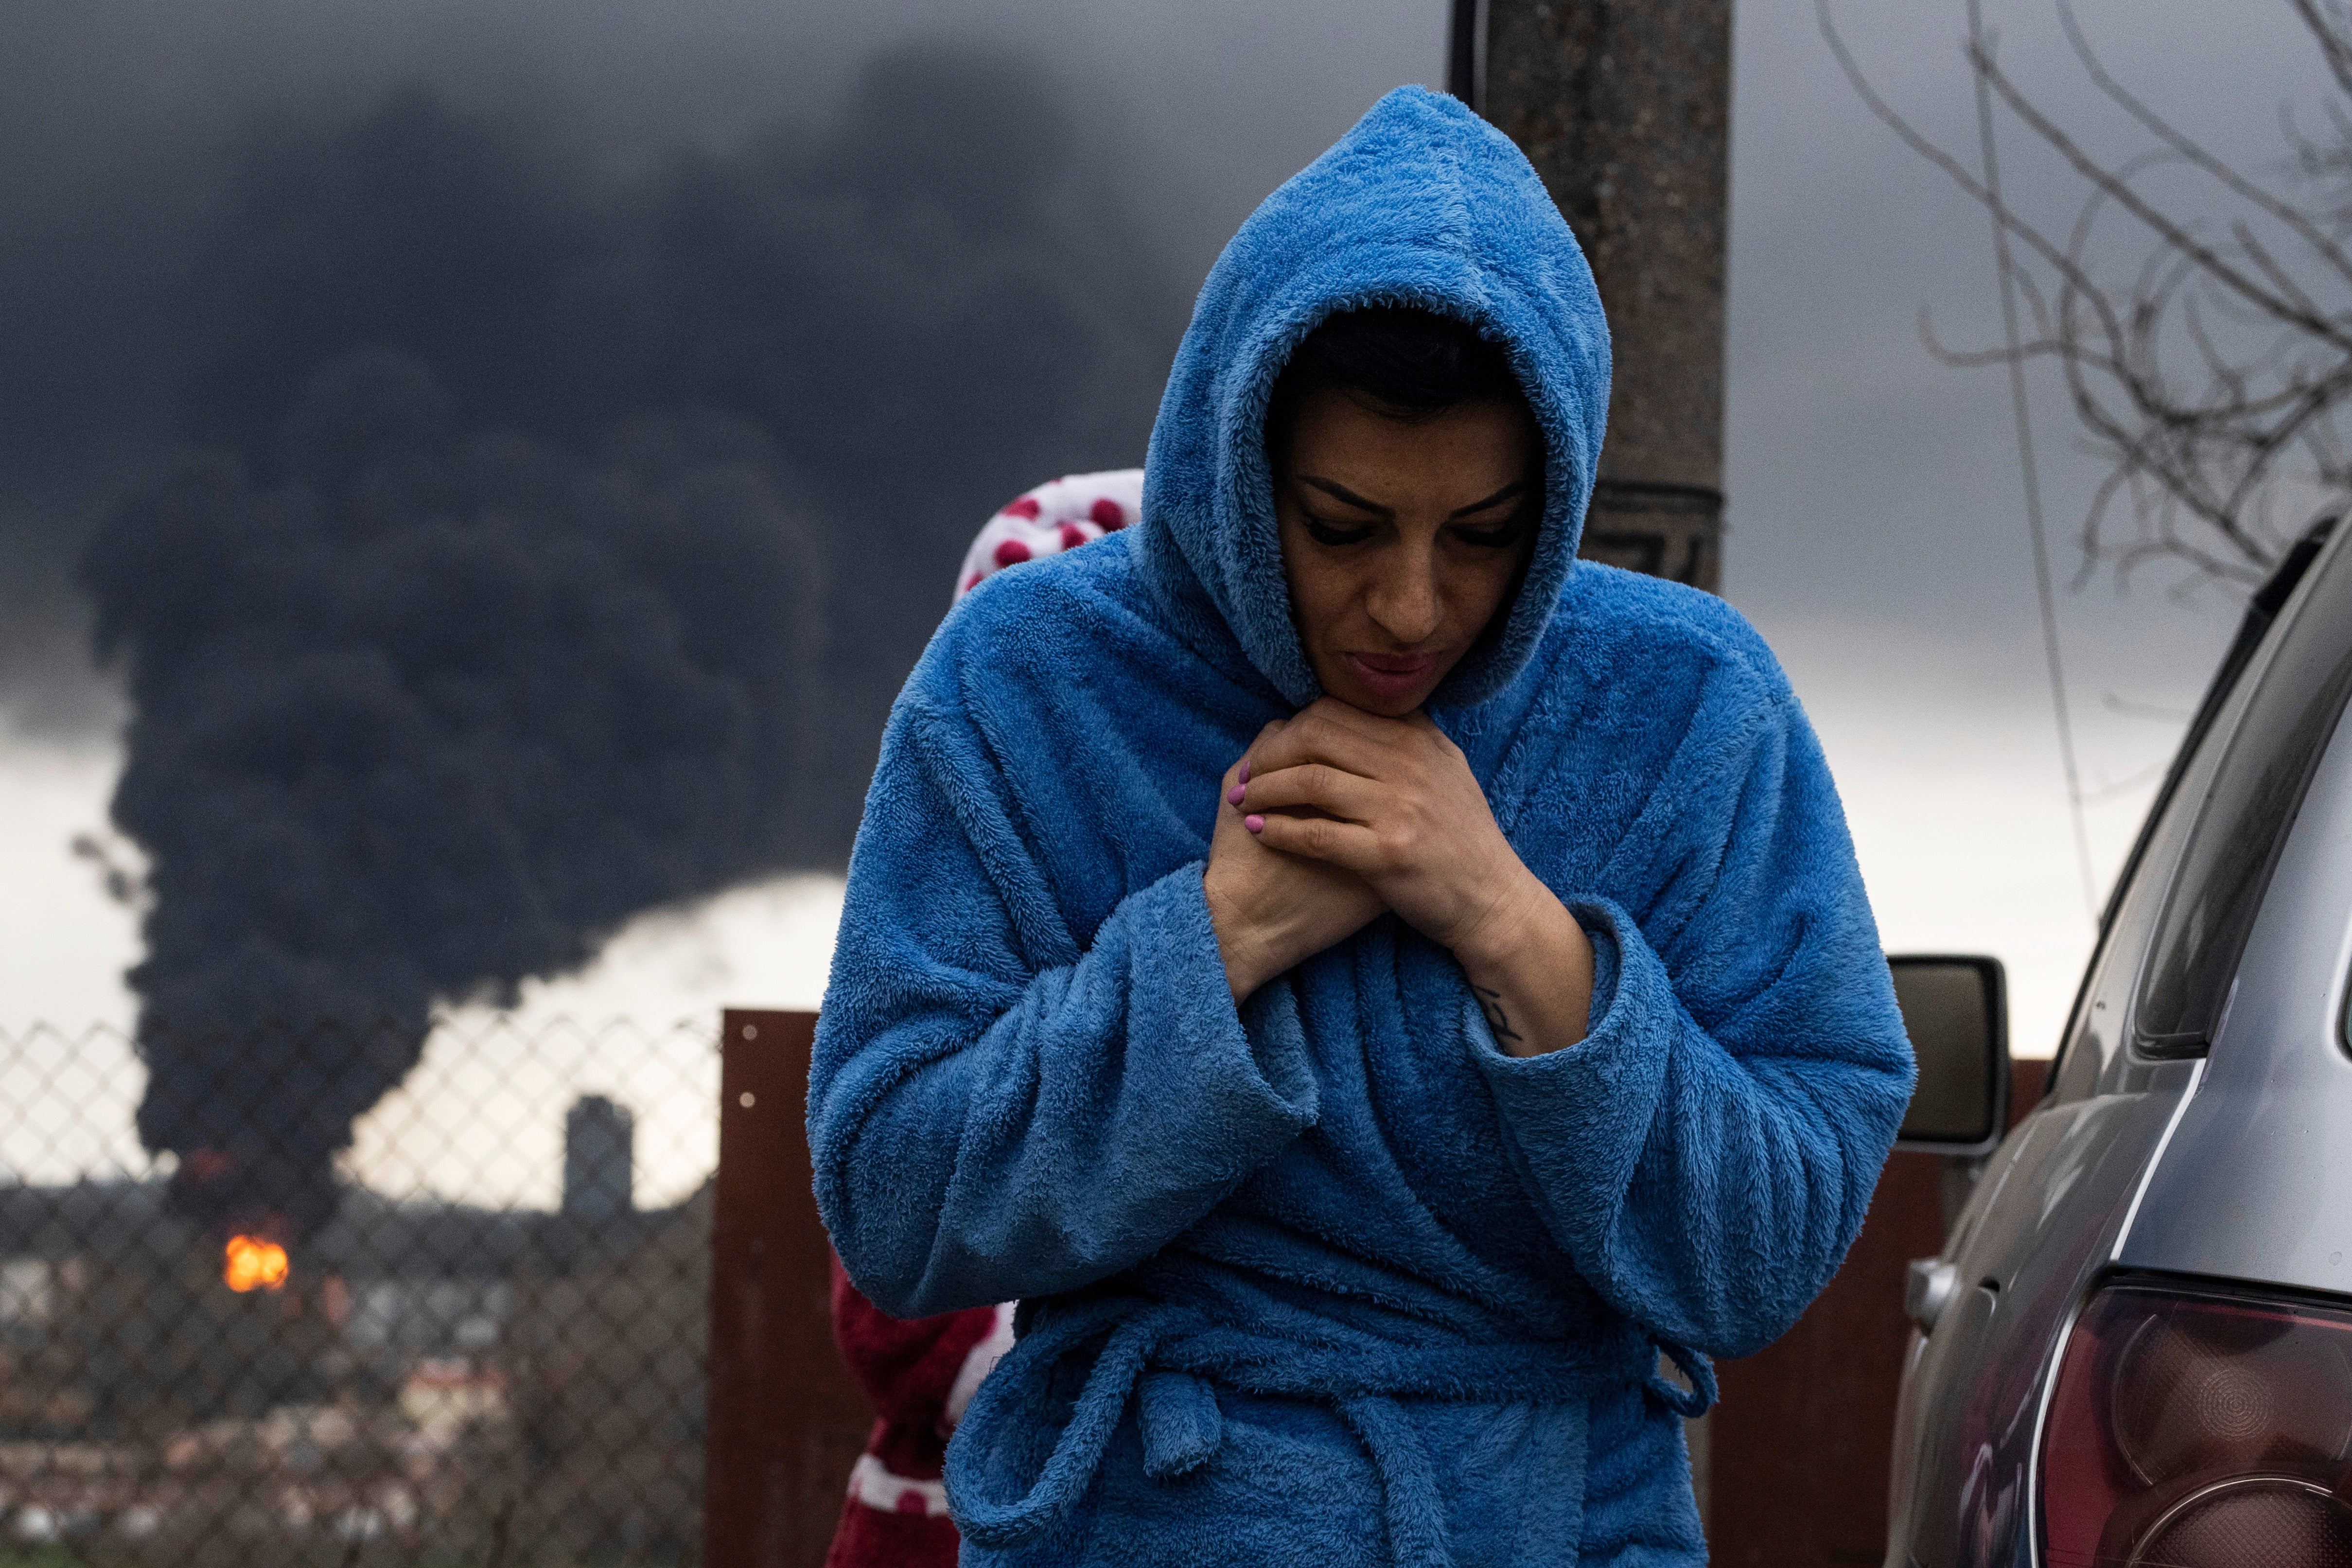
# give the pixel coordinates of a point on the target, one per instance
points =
(1402, 540)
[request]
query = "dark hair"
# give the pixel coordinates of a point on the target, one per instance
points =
(1399, 360)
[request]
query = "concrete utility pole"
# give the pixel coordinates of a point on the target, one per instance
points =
(1624, 107)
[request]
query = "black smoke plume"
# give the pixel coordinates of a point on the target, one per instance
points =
(431, 713)
(547, 546)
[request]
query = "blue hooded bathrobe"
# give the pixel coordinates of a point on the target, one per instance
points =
(1327, 1279)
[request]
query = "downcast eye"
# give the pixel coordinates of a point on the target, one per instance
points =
(1323, 533)
(1504, 534)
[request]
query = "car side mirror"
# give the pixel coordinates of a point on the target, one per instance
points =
(1956, 1011)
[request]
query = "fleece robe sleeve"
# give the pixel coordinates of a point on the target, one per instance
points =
(994, 1113)
(1705, 1155)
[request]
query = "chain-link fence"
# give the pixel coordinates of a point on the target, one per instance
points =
(483, 1348)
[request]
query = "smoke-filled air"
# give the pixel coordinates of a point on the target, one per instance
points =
(517, 542)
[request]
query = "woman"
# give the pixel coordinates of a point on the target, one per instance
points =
(1365, 986)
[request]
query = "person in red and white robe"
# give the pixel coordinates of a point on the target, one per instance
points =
(920, 1374)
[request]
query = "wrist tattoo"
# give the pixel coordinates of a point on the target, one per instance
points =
(1491, 1004)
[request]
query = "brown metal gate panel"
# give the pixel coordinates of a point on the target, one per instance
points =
(787, 1422)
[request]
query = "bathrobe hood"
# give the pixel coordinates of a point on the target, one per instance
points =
(1422, 204)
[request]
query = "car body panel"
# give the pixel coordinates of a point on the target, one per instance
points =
(2178, 1164)
(2054, 1203)
(2257, 1185)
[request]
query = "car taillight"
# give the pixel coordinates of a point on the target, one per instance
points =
(2197, 1428)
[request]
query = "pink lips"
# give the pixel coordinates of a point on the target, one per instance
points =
(1393, 678)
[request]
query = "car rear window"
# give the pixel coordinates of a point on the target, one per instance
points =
(2227, 862)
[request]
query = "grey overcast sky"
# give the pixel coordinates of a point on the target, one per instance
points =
(1874, 495)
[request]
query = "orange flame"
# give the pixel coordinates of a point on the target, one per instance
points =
(254, 1264)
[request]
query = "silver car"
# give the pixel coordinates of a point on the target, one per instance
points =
(2136, 1347)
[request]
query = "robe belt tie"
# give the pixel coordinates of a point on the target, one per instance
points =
(1165, 1356)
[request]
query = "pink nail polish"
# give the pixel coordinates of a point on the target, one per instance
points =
(1255, 823)
(1236, 794)
(1244, 770)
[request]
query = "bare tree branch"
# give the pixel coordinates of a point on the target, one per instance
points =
(2211, 381)
(2331, 28)
(2171, 232)
(2131, 104)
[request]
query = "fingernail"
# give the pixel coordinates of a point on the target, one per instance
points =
(1244, 770)
(1236, 794)
(1255, 823)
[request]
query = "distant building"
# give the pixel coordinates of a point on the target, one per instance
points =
(599, 1160)
(29, 1289)
(443, 1397)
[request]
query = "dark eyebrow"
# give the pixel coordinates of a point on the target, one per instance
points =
(1346, 497)
(1497, 498)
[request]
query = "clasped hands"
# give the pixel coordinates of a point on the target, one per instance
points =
(1335, 815)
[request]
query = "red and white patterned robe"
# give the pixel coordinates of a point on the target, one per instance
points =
(920, 1374)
